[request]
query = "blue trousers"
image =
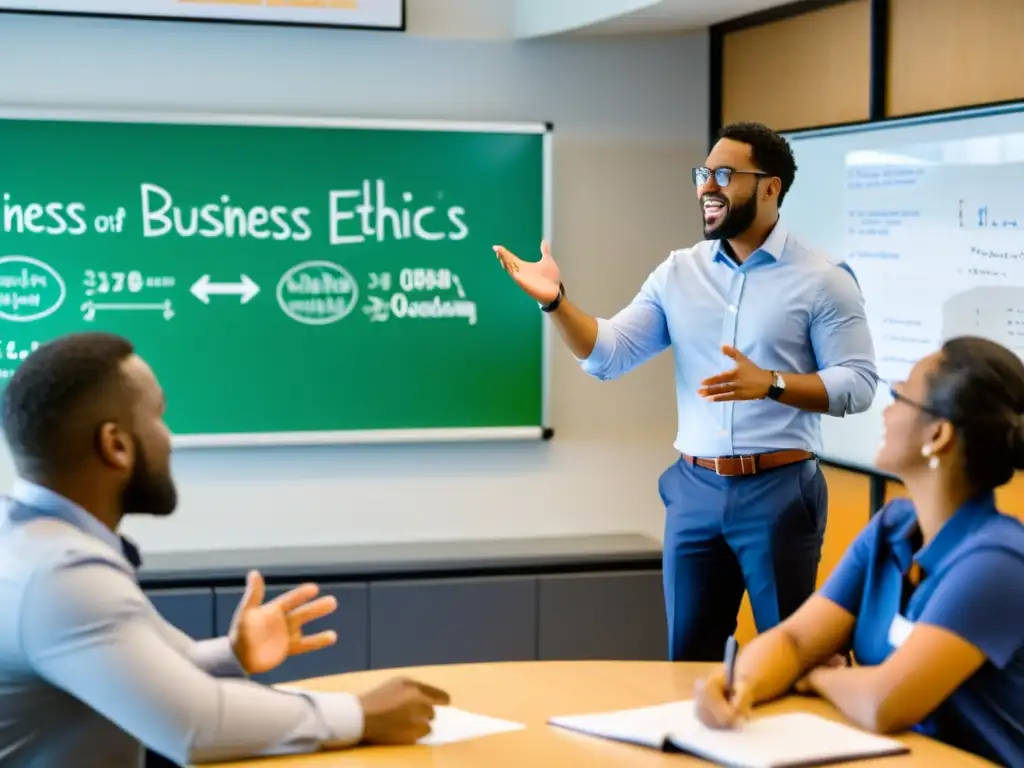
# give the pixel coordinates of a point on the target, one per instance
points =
(758, 533)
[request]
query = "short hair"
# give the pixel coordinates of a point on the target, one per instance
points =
(978, 385)
(60, 394)
(770, 152)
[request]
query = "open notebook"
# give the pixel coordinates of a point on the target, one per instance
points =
(779, 741)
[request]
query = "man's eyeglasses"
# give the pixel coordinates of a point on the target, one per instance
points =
(722, 176)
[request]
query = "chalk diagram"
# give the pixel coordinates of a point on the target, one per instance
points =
(90, 308)
(30, 289)
(317, 292)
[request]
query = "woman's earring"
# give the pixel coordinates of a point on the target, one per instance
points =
(933, 462)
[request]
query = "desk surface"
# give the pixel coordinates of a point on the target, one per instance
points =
(530, 692)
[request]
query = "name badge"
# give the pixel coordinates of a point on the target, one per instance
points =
(899, 630)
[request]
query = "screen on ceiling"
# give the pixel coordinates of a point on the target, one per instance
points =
(929, 213)
(374, 14)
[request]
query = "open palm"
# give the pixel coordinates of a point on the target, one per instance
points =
(540, 279)
(265, 634)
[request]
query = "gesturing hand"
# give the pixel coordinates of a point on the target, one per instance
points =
(744, 382)
(264, 635)
(540, 279)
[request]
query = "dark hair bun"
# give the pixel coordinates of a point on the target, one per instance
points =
(1017, 441)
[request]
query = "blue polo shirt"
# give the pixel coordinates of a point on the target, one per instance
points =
(972, 586)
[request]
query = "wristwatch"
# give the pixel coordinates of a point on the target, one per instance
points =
(554, 302)
(778, 386)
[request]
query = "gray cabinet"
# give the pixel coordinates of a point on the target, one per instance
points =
(617, 615)
(350, 621)
(443, 621)
(190, 610)
(416, 603)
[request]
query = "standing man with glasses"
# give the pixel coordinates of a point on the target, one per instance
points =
(746, 500)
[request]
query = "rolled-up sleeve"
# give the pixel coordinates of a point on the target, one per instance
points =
(634, 335)
(87, 628)
(842, 344)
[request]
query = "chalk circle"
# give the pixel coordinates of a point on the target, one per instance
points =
(308, 308)
(36, 264)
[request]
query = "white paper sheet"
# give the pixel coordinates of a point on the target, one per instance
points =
(451, 724)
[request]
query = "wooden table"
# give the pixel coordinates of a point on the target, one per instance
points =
(530, 692)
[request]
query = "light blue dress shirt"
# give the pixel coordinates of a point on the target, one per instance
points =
(89, 670)
(789, 308)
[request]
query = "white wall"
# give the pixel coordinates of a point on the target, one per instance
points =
(630, 119)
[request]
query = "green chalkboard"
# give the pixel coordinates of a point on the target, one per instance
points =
(290, 281)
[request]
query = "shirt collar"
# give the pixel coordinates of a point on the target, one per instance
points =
(772, 247)
(51, 504)
(965, 521)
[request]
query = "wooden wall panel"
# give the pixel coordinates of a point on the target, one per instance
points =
(945, 54)
(948, 54)
(849, 504)
(805, 71)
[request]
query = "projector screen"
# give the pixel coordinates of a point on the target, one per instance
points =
(929, 213)
(373, 14)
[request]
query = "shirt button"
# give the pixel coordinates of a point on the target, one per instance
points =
(732, 308)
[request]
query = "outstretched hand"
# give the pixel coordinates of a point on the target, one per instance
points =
(263, 635)
(539, 279)
(745, 381)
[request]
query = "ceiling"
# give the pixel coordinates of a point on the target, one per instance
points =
(677, 15)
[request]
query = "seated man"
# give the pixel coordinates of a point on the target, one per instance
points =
(89, 671)
(932, 592)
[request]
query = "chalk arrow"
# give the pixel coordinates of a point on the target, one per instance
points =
(203, 289)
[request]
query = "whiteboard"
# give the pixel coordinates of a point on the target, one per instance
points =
(375, 14)
(929, 213)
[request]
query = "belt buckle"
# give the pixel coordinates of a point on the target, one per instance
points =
(743, 465)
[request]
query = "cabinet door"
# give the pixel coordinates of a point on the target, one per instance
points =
(445, 621)
(602, 616)
(349, 654)
(190, 610)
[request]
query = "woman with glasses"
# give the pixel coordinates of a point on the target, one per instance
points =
(931, 594)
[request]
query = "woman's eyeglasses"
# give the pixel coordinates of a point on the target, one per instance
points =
(899, 397)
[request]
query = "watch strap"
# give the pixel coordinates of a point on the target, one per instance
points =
(555, 302)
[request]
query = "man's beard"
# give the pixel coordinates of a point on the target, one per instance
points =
(736, 221)
(147, 493)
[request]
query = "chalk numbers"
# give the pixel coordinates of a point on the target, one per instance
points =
(101, 282)
(425, 279)
(412, 280)
(380, 281)
(11, 350)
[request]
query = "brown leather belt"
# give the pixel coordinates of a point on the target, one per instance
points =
(734, 466)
